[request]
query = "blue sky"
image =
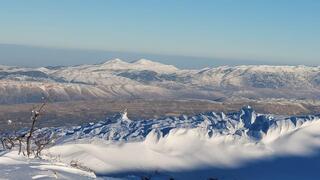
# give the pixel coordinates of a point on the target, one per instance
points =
(266, 31)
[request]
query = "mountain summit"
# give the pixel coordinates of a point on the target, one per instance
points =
(114, 61)
(141, 64)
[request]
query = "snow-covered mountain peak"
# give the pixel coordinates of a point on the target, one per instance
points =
(115, 64)
(114, 61)
(156, 66)
(146, 62)
(143, 61)
(142, 64)
(43, 69)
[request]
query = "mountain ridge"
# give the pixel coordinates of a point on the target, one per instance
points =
(245, 123)
(148, 79)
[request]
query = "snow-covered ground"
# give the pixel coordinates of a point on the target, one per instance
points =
(13, 166)
(241, 145)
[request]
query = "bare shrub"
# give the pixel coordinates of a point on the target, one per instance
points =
(35, 114)
(43, 140)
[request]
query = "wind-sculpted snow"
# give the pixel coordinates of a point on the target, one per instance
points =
(118, 144)
(245, 124)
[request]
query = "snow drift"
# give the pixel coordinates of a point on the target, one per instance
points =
(169, 144)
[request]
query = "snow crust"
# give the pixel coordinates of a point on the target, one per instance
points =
(118, 145)
(14, 166)
(180, 143)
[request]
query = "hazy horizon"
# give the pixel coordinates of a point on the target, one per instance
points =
(182, 33)
(35, 56)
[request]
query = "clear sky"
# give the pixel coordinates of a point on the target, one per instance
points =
(259, 30)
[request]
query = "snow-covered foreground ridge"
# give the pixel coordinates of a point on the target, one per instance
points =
(180, 143)
(147, 79)
(245, 124)
(118, 146)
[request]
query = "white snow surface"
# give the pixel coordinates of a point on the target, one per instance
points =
(177, 143)
(119, 145)
(18, 167)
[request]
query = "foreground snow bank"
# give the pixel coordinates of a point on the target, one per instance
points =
(121, 147)
(185, 149)
(13, 166)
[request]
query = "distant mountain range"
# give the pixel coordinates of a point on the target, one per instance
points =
(117, 79)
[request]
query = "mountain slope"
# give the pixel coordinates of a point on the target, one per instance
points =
(146, 79)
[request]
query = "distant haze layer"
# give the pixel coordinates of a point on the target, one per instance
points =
(32, 56)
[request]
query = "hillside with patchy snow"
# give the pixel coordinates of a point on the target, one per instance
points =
(147, 79)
